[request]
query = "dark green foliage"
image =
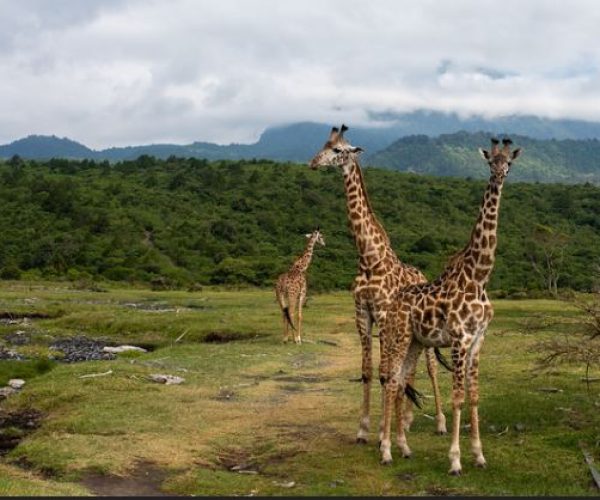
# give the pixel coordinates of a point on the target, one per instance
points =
(180, 222)
(456, 155)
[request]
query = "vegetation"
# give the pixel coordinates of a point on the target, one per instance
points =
(456, 155)
(287, 413)
(185, 221)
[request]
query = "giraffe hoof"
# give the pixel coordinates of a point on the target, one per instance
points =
(361, 440)
(455, 472)
(386, 461)
(441, 433)
(481, 465)
(407, 456)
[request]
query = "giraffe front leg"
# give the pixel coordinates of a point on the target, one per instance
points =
(397, 340)
(473, 374)
(459, 354)
(364, 325)
(440, 418)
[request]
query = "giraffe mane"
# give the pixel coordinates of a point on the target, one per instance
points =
(369, 206)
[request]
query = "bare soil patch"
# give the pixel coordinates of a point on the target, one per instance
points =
(144, 480)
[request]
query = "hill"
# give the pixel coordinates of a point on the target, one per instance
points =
(187, 220)
(456, 155)
(297, 142)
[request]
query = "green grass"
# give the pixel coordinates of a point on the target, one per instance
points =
(287, 429)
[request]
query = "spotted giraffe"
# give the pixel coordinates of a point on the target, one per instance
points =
(290, 289)
(380, 272)
(452, 311)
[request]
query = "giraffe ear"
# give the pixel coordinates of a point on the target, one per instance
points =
(485, 154)
(356, 150)
(308, 235)
(516, 153)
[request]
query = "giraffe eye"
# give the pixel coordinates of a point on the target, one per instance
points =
(337, 150)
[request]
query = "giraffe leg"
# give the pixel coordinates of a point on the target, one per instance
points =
(292, 301)
(364, 325)
(440, 418)
(397, 340)
(286, 333)
(407, 412)
(408, 371)
(473, 384)
(301, 300)
(459, 354)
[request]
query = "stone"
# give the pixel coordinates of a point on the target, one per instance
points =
(123, 348)
(5, 392)
(16, 383)
(166, 379)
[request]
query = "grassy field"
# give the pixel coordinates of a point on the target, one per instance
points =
(281, 414)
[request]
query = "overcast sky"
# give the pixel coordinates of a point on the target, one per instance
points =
(117, 72)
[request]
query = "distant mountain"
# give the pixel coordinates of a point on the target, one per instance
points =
(298, 142)
(42, 146)
(456, 155)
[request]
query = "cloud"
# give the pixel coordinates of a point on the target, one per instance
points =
(122, 72)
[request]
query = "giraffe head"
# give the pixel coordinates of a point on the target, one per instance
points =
(336, 152)
(316, 236)
(500, 160)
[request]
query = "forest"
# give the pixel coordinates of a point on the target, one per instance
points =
(180, 223)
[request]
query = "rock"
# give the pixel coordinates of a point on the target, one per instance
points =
(5, 392)
(16, 383)
(123, 348)
(10, 355)
(81, 348)
(289, 484)
(166, 379)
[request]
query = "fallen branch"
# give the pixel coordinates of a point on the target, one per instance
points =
(590, 379)
(590, 462)
(91, 375)
(182, 335)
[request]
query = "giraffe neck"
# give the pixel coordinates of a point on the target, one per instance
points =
(303, 261)
(371, 240)
(477, 259)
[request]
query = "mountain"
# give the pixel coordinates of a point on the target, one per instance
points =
(456, 155)
(43, 146)
(298, 142)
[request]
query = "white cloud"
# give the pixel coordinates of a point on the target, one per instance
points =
(129, 72)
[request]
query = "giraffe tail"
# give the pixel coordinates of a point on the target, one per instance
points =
(414, 395)
(442, 360)
(286, 312)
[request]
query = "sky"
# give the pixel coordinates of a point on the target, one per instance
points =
(122, 72)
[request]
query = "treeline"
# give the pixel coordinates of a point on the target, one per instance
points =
(180, 222)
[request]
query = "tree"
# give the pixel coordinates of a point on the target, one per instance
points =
(546, 253)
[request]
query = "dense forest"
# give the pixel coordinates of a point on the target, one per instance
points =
(180, 222)
(456, 155)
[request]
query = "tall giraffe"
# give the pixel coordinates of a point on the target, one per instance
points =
(380, 272)
(290, 289)
(452, 311)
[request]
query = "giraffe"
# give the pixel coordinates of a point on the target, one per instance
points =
(452, 311)
(380, 272)
(290, 289)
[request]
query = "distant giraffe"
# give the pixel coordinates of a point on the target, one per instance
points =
(452, 311)
(290, 289)
(380, 272)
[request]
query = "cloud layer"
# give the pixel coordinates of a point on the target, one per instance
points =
(118, 72)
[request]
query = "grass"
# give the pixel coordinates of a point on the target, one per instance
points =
(286, 412)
